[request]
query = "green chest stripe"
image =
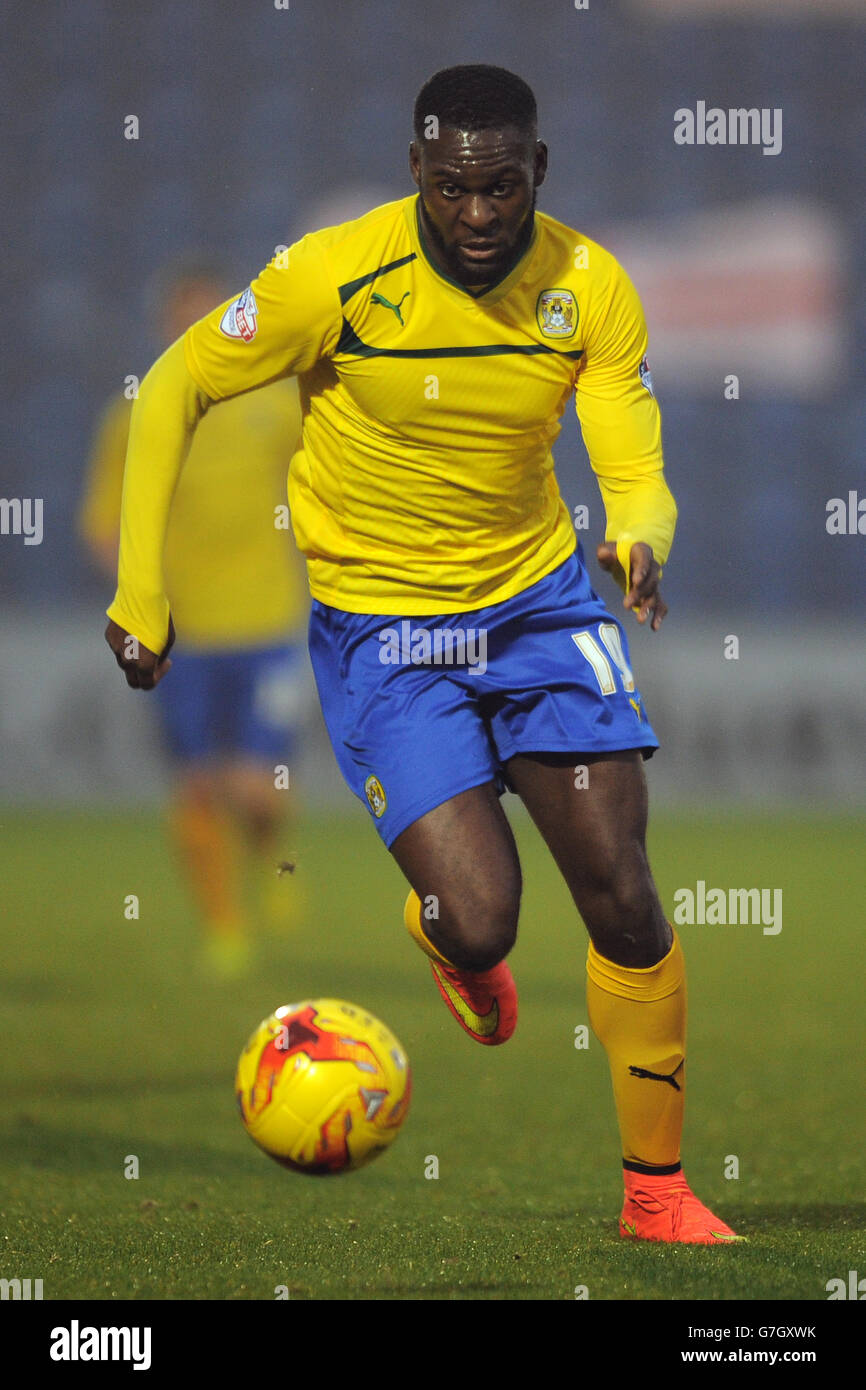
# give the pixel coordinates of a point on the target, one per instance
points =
(352, 287)
(353, 345)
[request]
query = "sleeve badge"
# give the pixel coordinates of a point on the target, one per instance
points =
(239, 319)
(646, 376)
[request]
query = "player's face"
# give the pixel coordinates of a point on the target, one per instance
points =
(478, 191)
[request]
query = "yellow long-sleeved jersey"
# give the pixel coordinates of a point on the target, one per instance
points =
(424, 482)
(233, 578)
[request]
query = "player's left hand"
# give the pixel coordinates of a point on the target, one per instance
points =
(643, 586)
(143, 668)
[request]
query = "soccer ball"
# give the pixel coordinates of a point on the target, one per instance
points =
(323, 1086)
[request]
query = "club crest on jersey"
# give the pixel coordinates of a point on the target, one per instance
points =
(239, 319)
(646, 376)
(376, 796)
(556, 312)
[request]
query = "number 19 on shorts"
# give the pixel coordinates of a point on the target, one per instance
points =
(610, 641)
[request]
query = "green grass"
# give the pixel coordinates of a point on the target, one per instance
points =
(115, 1045)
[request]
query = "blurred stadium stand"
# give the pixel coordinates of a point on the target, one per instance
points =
(253, 120)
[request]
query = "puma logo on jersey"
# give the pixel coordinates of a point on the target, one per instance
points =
(386, 304)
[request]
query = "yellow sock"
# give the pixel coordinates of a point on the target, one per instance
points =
(210, 851)
(412, 918)
(640, 1018)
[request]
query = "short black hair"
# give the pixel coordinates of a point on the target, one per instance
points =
(476, 96)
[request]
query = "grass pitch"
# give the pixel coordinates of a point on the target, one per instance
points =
(114, 1046)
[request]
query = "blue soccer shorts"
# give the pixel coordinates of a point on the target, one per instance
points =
(421, 709)
(239, 703)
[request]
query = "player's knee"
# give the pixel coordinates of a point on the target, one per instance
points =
(619, 875)
(478, 931)
(621, 907)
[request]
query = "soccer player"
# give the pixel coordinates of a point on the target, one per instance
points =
(237, 591)
(457, 644)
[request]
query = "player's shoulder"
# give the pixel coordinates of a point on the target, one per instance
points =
(316, 271)
(354, 248)
(370, 226)
(607, 301)
(570, 246)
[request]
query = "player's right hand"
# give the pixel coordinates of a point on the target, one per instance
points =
(142, 667)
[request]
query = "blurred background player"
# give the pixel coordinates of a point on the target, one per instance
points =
(238, 594)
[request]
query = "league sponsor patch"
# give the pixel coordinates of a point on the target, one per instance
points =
(646, 376)
(239, 319)
(556, 312)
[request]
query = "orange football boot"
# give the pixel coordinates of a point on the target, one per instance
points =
(662, 1206)
(483, 1002)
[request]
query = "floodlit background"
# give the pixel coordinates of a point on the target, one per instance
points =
(257, 124)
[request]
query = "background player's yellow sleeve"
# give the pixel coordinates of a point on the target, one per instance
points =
(98, 516)
(170, 404)
(621, 426)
